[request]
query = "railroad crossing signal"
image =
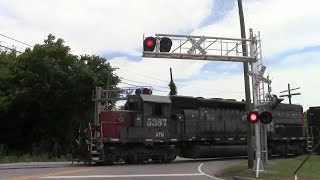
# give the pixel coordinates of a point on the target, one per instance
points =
(150, 43)
(265, 117)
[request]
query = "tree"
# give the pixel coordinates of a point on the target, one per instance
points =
(46, 93)
(173, 88)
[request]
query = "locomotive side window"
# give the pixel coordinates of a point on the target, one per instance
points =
(147, 109)
(158, 109)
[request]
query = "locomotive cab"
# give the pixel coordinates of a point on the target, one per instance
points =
(151, 118)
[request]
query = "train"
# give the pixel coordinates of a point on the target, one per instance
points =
(160, 128)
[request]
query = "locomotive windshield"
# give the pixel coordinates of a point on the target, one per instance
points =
(133, 104)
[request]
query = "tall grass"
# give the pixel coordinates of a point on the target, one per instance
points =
(33, 158)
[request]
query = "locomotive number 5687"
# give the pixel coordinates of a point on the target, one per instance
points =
(156, 122)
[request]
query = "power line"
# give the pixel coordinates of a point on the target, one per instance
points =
(160, 90)
(142, 74)
(245, 12)
(130, 84)
(15, 40)
(227, 15)
(10, 48)
(143, 82)
(140, 86)
(238, 92)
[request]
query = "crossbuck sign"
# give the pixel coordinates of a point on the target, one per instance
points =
(259, 77)
(196, 45)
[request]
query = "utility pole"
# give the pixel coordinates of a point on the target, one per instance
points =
(246, 86)
(289, 95)
(172, 86)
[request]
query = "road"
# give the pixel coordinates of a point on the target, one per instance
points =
(180, 169)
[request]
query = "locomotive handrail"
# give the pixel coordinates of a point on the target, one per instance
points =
(91, 139)
(113, 123)
(316, 129)
(101, 134)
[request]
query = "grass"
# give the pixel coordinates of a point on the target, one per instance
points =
(29, 158)
(279, 169)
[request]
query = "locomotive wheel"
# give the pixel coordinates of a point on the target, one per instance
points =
(100, 163)
(168, 157)
(298, 151)
(109, 159)
(141, 157)
(269, 153)
(282, 151)
(156, 159)
(131, 159)
(164, 158)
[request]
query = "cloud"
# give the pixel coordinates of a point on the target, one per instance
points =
(303, 75)
(100, 26)
(158, 68)
(116, 27)
(284, 25)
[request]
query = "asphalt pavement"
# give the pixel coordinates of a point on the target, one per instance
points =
(180, 169)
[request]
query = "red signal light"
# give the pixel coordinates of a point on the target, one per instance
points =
(253, 117)
(149, 44)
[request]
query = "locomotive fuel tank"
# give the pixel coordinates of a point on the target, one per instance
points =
(213, 151)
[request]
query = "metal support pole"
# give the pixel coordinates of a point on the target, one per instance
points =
(258, 166)
(246, 85)
(98, 105)
(289, 96)
(107, 95)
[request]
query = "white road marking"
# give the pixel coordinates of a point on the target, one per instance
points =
(200, 171)
(115, 176)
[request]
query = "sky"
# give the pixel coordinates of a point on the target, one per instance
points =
(114, 29)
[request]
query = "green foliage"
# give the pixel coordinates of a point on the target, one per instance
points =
(30, 158)
(279, 169)
(45, 93)
(173, 88)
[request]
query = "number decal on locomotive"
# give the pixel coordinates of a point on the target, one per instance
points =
(156, 122)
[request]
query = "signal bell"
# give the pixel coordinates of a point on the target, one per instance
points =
(149, 44)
